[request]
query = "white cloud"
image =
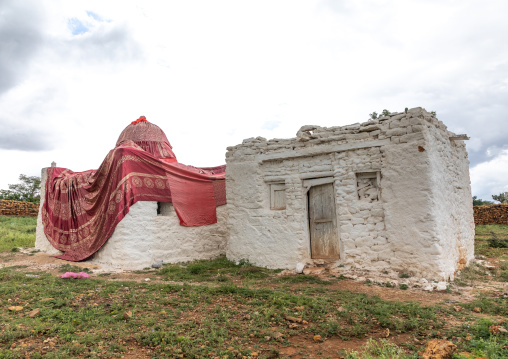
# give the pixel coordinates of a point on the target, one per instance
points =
(213, 73)
(490, 177)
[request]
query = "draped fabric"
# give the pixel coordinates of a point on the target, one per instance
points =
(149, 137)
(82, 209)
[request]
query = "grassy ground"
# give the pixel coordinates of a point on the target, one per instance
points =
(228, 318)
(491, 241)
(17, 232)
(219, 309)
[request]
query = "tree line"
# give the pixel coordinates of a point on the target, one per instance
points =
(28, 190)
(502, 197)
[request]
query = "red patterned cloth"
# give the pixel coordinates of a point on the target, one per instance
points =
(149, 137)
(82, 209)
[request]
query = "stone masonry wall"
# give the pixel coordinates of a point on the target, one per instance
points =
(247, 192)
(389, 208)
(491, 214)
(18, 208)
(362, 229)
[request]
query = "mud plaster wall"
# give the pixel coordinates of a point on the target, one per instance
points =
(143, 238)
(401, 229)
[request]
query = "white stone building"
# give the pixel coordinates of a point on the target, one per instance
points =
(390, 195)
(387, 196)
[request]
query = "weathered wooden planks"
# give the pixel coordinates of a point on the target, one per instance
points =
(323, 222)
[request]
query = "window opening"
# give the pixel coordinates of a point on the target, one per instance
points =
(277, 196)
(367, 186)
(164, 208)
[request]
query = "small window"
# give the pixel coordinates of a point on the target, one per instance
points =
(367, 186)
(164, 208)
(277, 196)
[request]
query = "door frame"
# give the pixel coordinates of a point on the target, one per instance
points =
(307, 185)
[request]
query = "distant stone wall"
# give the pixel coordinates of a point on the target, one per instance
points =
(491, 214)
(18, 208)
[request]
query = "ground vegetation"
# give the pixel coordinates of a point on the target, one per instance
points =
(221, 309)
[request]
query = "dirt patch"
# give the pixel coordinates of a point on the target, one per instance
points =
(331, 346)
(413, 295)
(36, 262)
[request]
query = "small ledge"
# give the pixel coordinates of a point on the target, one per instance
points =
(463, 137)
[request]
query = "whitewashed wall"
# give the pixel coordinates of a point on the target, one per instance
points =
(143, 238)
(422, 223)
(41, 242)
(451, 189)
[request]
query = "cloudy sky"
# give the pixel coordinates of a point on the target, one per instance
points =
(73, 74)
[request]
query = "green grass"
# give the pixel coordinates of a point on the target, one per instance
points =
(71, 268)
(491, 241)
(17, 232)
(300, 279)
(219, 269)
(468, 276)
(486, 230)
(489, 304)
(380, 350)
(477, 339)
(87, 315)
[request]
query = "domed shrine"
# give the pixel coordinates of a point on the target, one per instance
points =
(139, 207)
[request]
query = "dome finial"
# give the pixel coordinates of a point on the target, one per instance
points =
(140, 119)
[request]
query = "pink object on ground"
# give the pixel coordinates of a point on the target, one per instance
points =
(75, 275)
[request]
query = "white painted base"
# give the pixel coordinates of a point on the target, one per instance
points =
(143, 238)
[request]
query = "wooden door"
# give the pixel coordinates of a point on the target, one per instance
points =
(324, 239)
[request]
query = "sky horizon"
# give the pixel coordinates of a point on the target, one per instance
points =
(73, 75)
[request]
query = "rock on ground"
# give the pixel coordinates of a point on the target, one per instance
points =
(439, 349)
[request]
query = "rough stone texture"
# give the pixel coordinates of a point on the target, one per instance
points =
(491, 214)
(439, 349)
(143, 238)
(18, 208)
(402, 191)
